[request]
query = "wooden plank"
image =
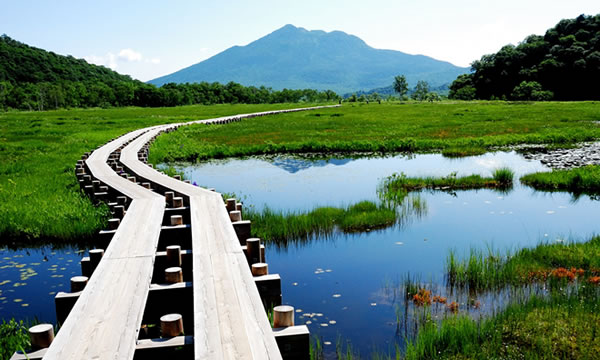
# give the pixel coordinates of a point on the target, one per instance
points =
(105, 320)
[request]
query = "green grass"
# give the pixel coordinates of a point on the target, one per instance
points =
(580, 180)
(423, 127)
(39, 195)
(13, 336)
(483, 270)
(563, 325)
(281, 227)
(396, 185)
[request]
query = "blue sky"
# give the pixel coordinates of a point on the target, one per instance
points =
(147, 39)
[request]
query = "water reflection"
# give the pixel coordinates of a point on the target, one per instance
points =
(340, 279)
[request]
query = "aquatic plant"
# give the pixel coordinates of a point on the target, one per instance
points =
(13, 337)
(579, 180)
(281, 227)
(483, 270)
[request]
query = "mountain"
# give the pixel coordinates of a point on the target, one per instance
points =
(36, 79)
(296, 58)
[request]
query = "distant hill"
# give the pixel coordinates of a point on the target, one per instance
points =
(21, 63)
(563, 64)
(296, 58)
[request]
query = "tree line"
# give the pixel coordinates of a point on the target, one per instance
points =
(564, 64)
(82, 94)
(35, 79)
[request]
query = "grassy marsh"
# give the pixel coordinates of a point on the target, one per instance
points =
(39, 194)
(418, 127)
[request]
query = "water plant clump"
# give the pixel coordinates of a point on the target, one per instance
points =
(579, 180)
(397, 186)
(558, 262)
(280, 227)
(561, 325)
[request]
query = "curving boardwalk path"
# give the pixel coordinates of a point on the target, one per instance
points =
(223, 314)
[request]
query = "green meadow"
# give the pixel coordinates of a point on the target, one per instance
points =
(40, 200)
(456, 128)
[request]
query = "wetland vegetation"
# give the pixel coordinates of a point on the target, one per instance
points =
(579, 180)
(39, 194)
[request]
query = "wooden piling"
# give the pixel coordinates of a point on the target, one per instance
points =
(260, 269)
(169, 195)
(113, 224)
(177, 202)
(235, 216)
(171, 325)
(173, 275)
(41, 336)
(78, 283)
(253, 250)
(174, 255)
(176, 220)
(119, 211)
(95, 257)
(230, 204)
(283, 316)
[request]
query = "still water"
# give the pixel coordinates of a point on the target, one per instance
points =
(343, 287)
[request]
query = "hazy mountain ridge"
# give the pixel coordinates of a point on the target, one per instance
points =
(294, 57)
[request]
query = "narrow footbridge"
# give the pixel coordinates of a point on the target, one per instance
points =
(176, 275)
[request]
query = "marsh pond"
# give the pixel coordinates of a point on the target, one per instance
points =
(350, 286)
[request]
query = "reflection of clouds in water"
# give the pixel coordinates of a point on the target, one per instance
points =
(491, 164)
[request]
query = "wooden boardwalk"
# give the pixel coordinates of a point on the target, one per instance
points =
(223, 313)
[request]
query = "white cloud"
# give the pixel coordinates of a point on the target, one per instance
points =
(124, 56)
(130, 55)
(109, 60)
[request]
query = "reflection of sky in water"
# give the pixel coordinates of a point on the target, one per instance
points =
(301, 184)
(355, 267)
(30, 278)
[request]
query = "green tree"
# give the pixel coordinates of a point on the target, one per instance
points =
(462, 88)
(421, 90)
(531, 90)
(400, 85)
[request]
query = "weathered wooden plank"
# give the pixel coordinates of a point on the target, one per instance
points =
(104, 321)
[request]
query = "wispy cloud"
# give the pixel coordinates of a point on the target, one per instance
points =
(130, 55)
(112, 61)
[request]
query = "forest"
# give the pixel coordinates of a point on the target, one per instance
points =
(564, 64)
(35, 79)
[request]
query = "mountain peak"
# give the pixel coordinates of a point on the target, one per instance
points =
(296, 58)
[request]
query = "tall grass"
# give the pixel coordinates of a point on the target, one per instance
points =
(13, 336)
(484, 270)
(563, 325)
(282, 226)
(397, 186)
(580, 180)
